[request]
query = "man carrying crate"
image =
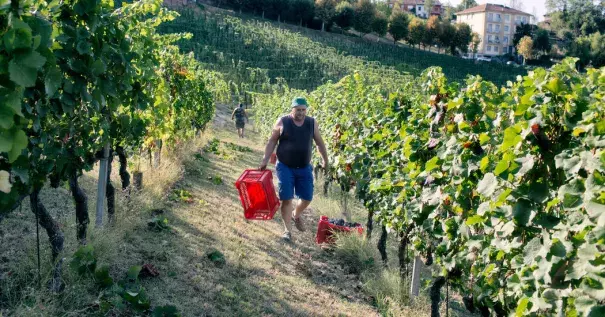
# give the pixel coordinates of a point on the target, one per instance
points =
(293, 135)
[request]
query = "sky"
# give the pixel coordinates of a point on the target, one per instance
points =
(528, 5)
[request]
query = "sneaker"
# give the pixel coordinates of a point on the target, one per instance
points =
(298, 222)
(287, 236)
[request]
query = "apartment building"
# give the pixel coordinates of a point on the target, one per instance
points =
(496, 25)
(417, 7)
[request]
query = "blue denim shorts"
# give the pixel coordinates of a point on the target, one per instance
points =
(294, 181)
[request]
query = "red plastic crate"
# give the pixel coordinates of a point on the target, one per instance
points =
(273, 158)
(325, 230)
(257, 194)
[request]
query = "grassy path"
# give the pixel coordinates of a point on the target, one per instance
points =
(261, 275)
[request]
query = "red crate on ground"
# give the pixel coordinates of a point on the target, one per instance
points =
(257, 194)
(325, 230)
(273, 158)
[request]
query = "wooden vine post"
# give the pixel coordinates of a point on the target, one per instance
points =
(102, 186)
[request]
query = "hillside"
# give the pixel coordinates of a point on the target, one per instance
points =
(254, 51)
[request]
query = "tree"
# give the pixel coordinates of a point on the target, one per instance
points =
(581, 17)
(580, 48)
(450, 12)
(345, 13)
(433, 28)
(475, 43)
(325, 10)
(447, 37)
(301, 11)
(428, 6)
(279, 8)
(516, 4)
(384, 8)
(464, 37)
(465, 4)
(364, 14)
(542, 41)
(526, 48)
(597, 46)
(416, 31)
(398, 25)
(522, 31)
(380, 24)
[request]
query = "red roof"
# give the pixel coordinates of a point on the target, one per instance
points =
(492, 8)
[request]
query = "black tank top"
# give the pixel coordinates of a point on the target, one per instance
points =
(295, 143)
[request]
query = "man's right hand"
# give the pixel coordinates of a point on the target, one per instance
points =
(263, 165)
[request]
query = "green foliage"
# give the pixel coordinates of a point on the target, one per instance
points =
(238, 148)
(213, 146)
(217, 180)
(345, 13)
(165, 311)
(84, 260)
(65, 94)
(464, 37)
(503, 186)
(159, 223)
(398, 25)
(181, 195)
(325, 10)
(365, 12)
(417, 29)
(542, 41)
(380, 24)
(217, 258)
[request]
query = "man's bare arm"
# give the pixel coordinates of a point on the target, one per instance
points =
(270, 147)
(321, 146)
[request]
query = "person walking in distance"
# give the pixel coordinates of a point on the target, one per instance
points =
(240, 114)
(293, 135)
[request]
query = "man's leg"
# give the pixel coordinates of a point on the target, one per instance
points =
(286, 214)
(300, 207)
(303, 187)
(285, 186)
(242, 133)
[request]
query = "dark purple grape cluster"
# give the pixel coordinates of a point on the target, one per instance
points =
(343, 223)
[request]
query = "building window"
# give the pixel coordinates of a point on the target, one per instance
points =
(506, 29)
(489, 38)
(497, 28)
(490, 28)
(498, 17)
(497, 39)
(505, 41)
(496, 49)
(419, 8)
(489, 48)
(507, 17)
